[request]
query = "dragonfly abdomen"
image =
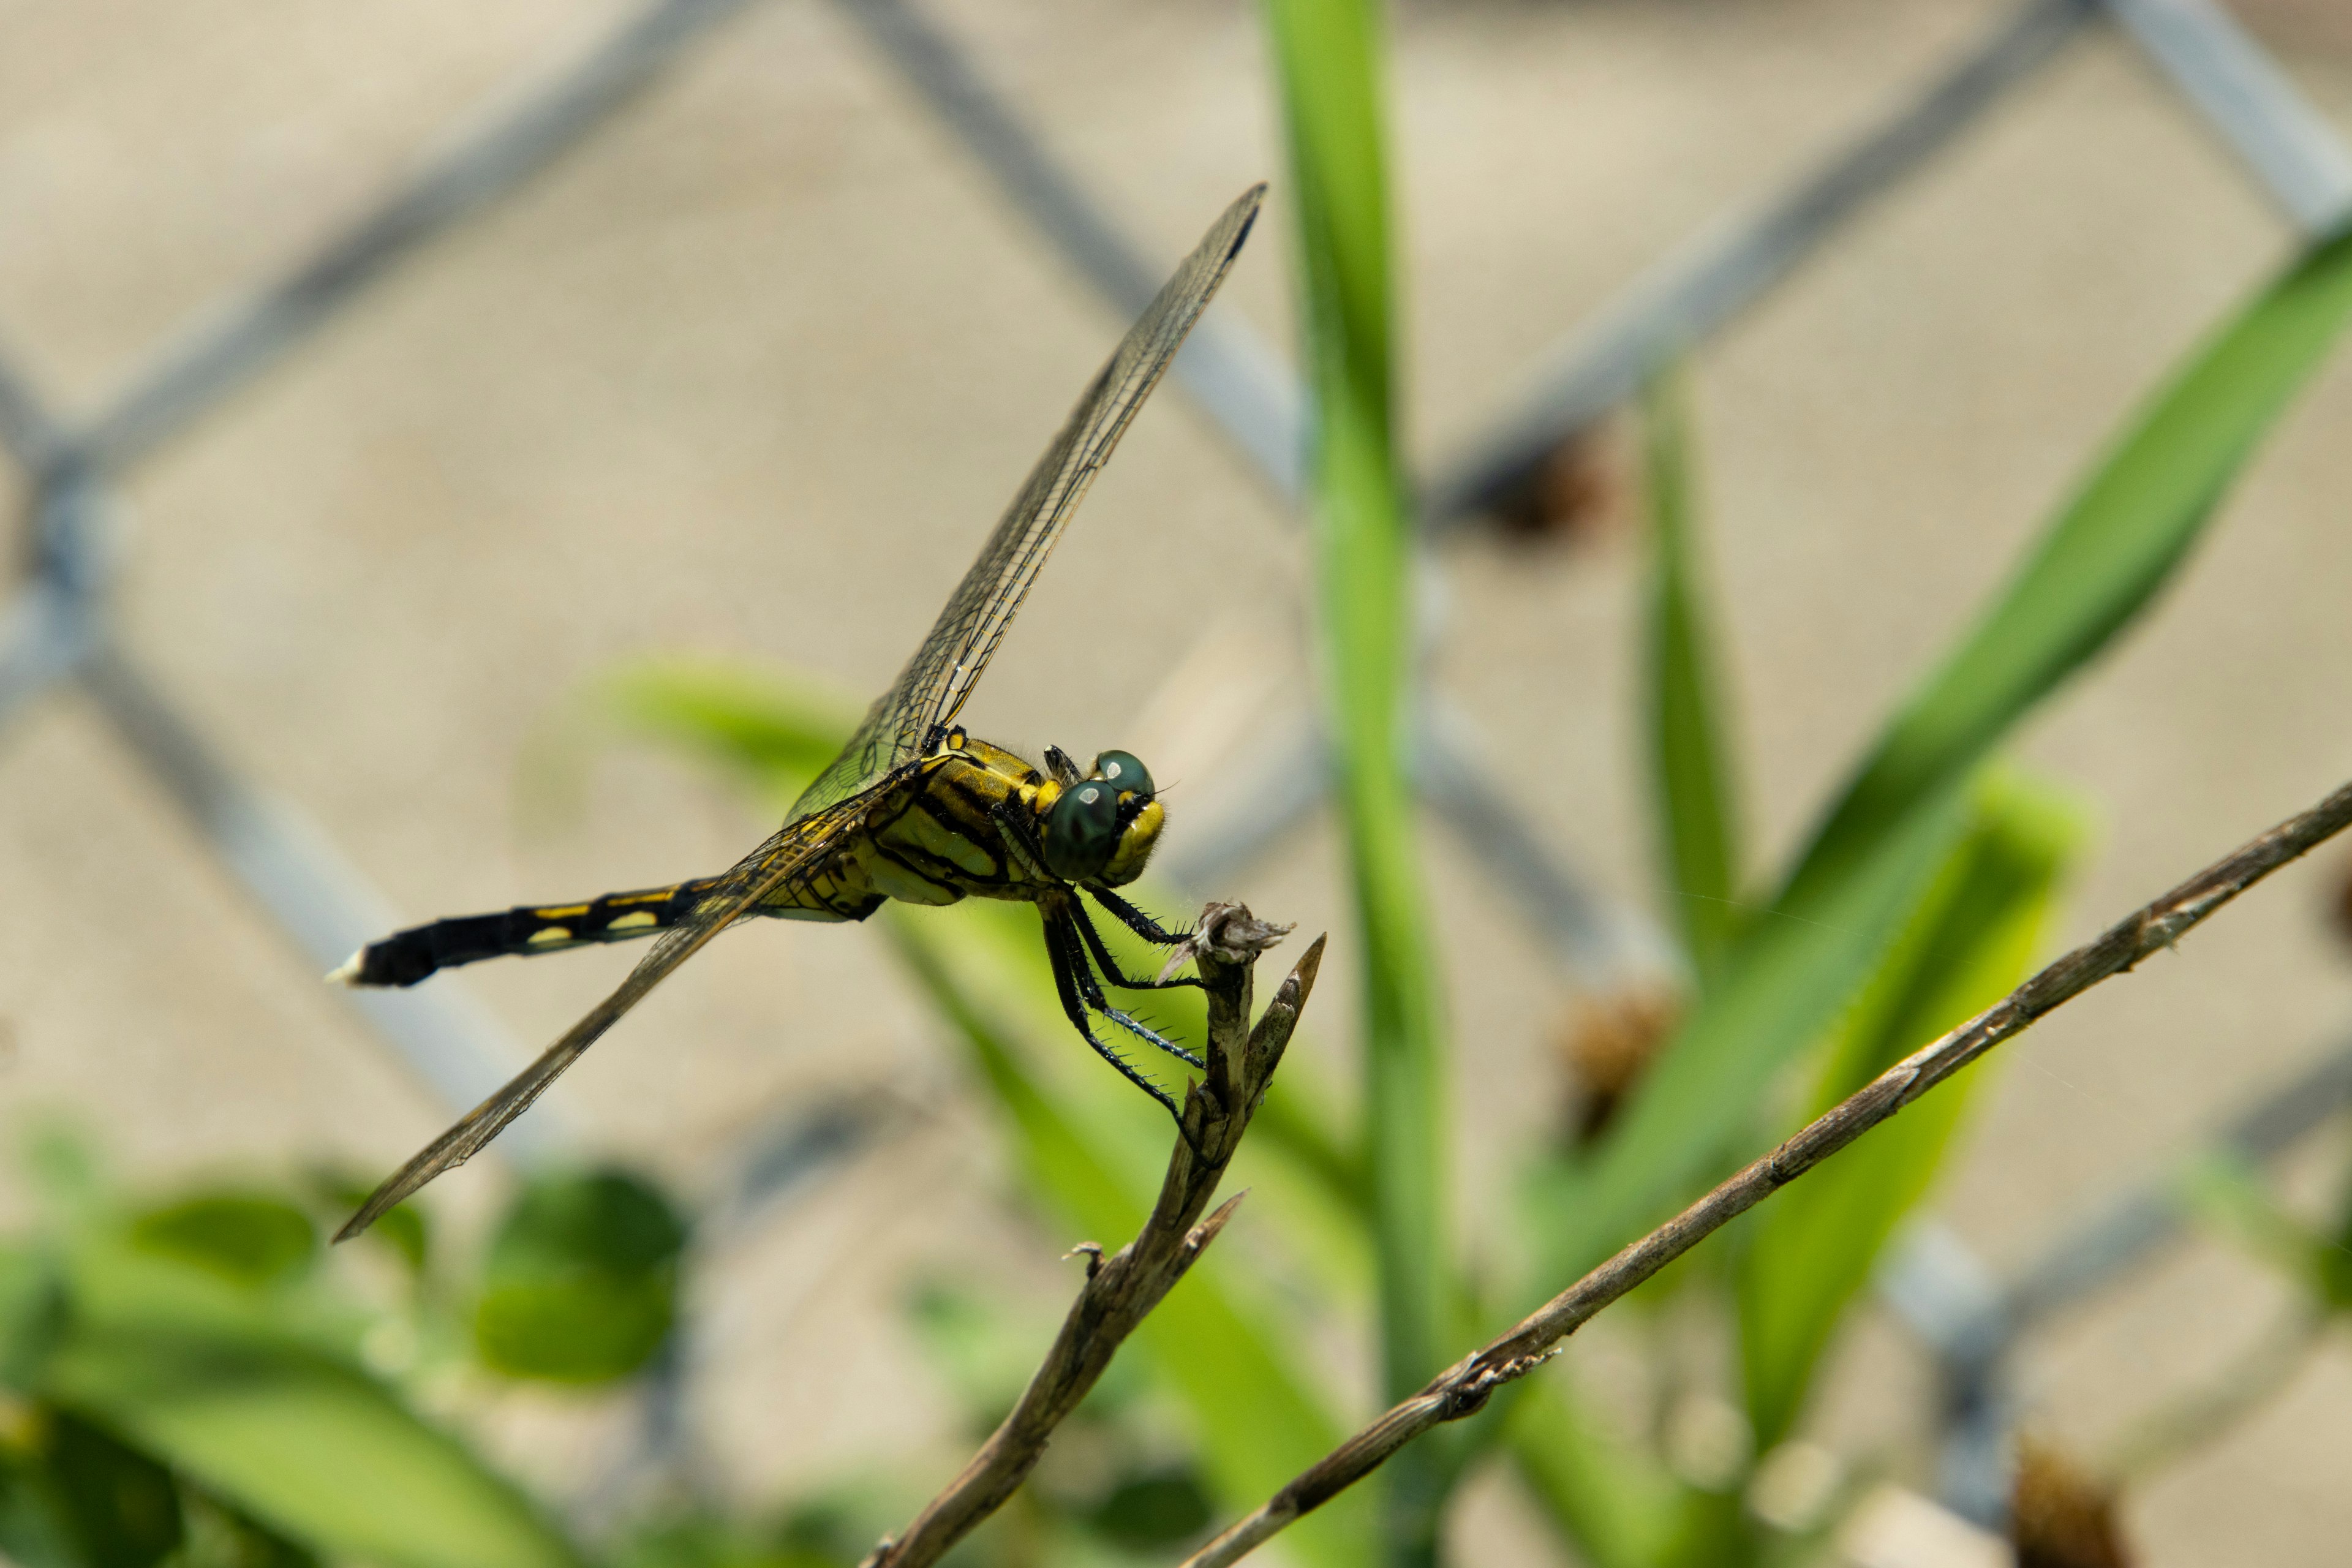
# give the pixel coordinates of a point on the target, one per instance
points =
(405, 957)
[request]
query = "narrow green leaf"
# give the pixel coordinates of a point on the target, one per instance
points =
(1329, 66)
(1697, 822)
(2100, 562)
(1809, 1252)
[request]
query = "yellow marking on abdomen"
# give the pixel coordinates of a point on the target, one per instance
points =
(637, 921)
(568, 912)
(552, 933)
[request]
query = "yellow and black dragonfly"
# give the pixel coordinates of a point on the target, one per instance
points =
(913, 807)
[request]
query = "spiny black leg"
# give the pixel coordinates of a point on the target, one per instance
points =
(1109, 966)
(1065, 961)
(1091, 992)
(1021, 840)
(1135, 919)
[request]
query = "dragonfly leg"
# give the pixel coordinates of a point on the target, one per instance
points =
(1090, 991)
(1065, 980)
(1021, 840)
(1135, 919)
(1109, 966)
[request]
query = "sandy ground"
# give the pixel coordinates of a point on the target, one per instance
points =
(750, 373)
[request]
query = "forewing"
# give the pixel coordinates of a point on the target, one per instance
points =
(933, 687)
(792, 851)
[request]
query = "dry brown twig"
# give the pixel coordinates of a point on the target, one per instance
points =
(1121, 1291)
(1463, 1388)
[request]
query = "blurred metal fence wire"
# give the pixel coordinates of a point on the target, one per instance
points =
(57, 628)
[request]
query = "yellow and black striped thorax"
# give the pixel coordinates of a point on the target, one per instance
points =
(976, 820)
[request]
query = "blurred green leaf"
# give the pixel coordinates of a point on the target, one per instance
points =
(32, 1315)
(581, 1285)
(1152, 1513)
(1697, 816)
(984, 1356)
(1809, 1252)
(2097, 565)
(312, 1447)
(220, 1537)
(244, 1238)
(33, 1529)
(62, 1169)
(717, 1543)
(257, 1401)
(1614, 1503)
(120, 1506)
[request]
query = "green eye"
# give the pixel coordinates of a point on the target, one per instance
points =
(1081, 830)
(1123, 771)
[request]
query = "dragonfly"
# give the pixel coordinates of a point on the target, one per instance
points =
(914, 808)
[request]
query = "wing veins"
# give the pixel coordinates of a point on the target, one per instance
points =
(937, 680)
(758, 876)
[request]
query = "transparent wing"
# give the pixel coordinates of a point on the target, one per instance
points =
(931, 690)
(792, 851)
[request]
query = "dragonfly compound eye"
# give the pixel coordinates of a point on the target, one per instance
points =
(1125, 773)
(1081, 830)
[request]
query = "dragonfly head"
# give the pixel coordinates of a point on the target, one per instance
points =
(1102, 827)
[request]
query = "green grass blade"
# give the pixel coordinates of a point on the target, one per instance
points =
(2100, 562)
(1690, 771)
(1329, 64)
(1811, 1252)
